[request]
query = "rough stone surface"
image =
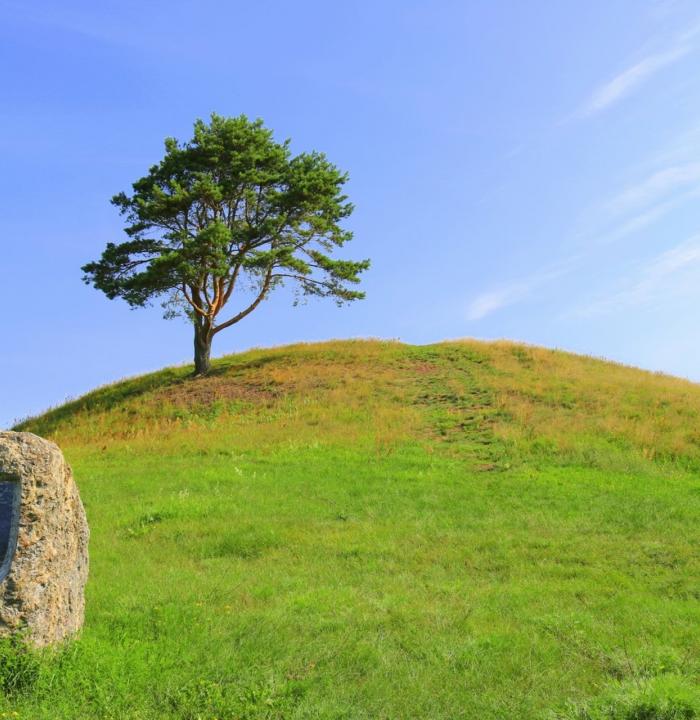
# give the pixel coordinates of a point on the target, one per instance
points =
(43, 594)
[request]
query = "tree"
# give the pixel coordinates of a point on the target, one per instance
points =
(231, 214)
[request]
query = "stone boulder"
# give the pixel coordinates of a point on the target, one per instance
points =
(42, 594)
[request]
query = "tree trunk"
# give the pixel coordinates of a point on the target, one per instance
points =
(202, 349)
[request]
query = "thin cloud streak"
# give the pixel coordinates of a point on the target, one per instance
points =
(71, 23)
(624, 83)
(493, 300)
(629, 212)
(646, 217)
(655, 187)
(644, 201)
(503, 296)
(666, 276)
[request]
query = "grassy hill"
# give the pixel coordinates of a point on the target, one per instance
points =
(375, 530)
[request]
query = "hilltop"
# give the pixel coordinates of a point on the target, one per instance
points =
(366, 529)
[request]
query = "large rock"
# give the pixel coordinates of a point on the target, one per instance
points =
(43, 593)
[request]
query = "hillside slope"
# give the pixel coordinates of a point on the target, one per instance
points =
(366, 529)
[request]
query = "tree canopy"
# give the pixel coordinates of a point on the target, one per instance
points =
(230, 214)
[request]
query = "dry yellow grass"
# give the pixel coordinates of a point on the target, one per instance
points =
(572, 401)
(541, 401)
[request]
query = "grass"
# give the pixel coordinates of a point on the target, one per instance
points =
(374, 530)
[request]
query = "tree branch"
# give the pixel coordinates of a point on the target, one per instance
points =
(197, 309)
(251, 307)
(231, 285)
(303, 278)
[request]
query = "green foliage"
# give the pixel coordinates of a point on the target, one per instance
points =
(229, 213)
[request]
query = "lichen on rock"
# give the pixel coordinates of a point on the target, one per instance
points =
(42, 595)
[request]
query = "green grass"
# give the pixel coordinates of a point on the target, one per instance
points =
(374, 530)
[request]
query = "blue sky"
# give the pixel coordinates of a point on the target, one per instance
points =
(528, 170)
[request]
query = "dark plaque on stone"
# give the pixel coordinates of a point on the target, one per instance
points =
(10, 497)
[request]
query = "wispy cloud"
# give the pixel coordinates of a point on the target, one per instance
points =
(503, 296)
(629, 79)
(662, 184)
(63, 20)
(671, 274)
(493, 300)
(632, 77)
(655, 187)
(639, 222)
(644, 203)
(665, 185)
(129, 27)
